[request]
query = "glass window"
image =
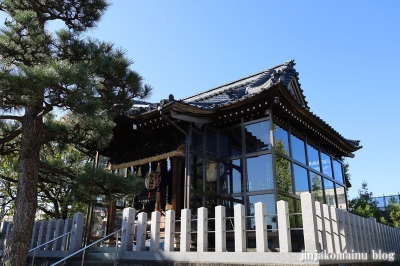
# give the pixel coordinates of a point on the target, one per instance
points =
(326, 164)
(300, 179)
(257, 137)
(259, 173)
(281, 140)
(231, 142)
(381, 202)
(197, 173)
(283, 174)
(291, 205)
(341, 197)
(329, 192)
(229, 209)
(231, 178)
(270, 206)
(197, 142)
(196, 201)
(118, 219)
(298, 150)
(313, 158)
(337, 171)
(99, 222)
(316, 187)
(211, 143)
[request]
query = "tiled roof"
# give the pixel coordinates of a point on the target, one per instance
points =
(245, 88)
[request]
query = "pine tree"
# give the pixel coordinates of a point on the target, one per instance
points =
(42, 71)
(365, 205)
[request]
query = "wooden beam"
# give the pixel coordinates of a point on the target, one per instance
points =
(189, 118)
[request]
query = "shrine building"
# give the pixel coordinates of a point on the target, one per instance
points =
(251, 140)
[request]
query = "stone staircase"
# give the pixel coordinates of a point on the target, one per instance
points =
(97, 256)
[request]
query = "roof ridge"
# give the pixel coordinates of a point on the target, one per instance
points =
(240, 79)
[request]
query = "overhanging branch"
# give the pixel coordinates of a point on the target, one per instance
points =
(11, 117)
(12, 136)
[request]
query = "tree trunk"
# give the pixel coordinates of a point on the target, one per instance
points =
(19, 239)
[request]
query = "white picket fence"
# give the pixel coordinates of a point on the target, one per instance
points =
(325, 228)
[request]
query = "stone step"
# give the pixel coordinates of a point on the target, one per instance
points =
(97, 256)
(93, 263)
(100, 249)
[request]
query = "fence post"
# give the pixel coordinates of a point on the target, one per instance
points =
(354, 231)
(383, 237)
(8, 231)
(240, 228)
(343, 231)
(397, 232)
(361, 234)
(67, 228)
(35, 234)
(128, 229)
(309, 223)
(169, 230)
(42, 234)
(77, 232)
(185, 230)
(141, 232)
(349, 232)
(3, 230)
(387, 239)
(391, 237)
(202, 234)
(368, 235)
(285, 242)
(58, 232)
(51, 228)
(380, 236)
(155, 231)
(373, 232)
(320, 225)
(335, 229)
(327, 220)
(220, 229)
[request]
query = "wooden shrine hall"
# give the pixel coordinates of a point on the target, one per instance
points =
(250, 140)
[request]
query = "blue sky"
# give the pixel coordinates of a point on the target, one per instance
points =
(346, 52)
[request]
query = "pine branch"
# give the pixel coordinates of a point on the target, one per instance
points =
(9, 179)
(12, 136)
(55, 170)
(11, 117)
(46, 211)
(47, 109)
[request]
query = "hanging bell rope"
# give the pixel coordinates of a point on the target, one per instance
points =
(180, 151)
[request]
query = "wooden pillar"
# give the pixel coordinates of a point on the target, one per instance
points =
(111, 218)
(177, 185)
